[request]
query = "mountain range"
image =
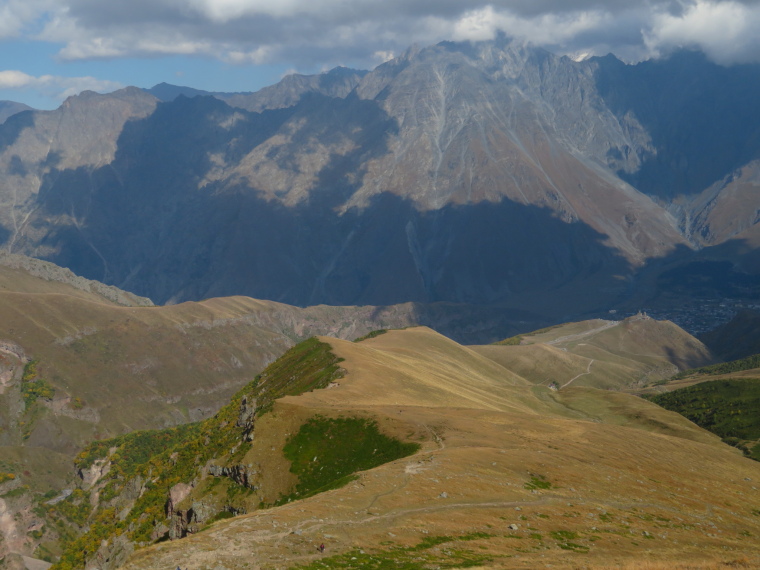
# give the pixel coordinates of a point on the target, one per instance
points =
(490, 173)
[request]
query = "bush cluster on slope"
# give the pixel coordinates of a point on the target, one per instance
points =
(33, 388)
(163, 458)
(748, 363)
(371, 334)
(326, 452)
(728, 408)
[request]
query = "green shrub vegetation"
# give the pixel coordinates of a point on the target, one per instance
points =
(74, 508)
(748, 363)
(33, 387)
(17, 492)
(30, 371)
(728, 408)
(307, 366)
(325, 453)
(371, 334)
(511, 341)
(163, 458)
(134, 449)
(538, 482)
(563, 535)
(432, 552)
(563, 538)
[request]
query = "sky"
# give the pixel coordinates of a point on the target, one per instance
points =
(52, 49)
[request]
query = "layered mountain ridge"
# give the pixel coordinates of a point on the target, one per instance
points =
(81, 362)
(487, 173)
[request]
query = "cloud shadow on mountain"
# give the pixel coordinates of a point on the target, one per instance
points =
(702, 118)
(147, 224)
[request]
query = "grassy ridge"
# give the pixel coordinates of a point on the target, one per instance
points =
(517, 339)
(307, 366)
(163, 458)
(748, 363)
(728, 408)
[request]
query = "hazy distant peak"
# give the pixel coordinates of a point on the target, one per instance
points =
(342, 71)
(169, 92)
(9, 108)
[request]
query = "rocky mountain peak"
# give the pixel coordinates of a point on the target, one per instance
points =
(462, 172)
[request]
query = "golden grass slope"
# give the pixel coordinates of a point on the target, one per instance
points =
(580, 478)
(425, 368)
(602, 354)
(117, 368)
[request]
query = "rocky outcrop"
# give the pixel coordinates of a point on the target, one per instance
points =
(177, 494)
(191, 520)
(94, 473)
(111, 554)
(243, 475)
(179, 523)
(247, 416)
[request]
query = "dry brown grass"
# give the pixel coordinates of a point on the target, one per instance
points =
(743, 562)
(120, 368)
(631, 484)
(602, 354)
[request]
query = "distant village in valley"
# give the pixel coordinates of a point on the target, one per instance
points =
(696, 316)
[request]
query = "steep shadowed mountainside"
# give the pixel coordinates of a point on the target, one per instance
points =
(691, 109)
(487, 173)
(738, 338)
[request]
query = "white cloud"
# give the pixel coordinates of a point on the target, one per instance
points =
(12, 79)
(726, 31)
(484, 23)
(226, 10)
(92, 48)
(258, 56)
(314, 33)
(53, 85)
(383, 55)
(18, 17)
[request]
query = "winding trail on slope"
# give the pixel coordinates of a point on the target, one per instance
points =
(588, 371)
(576, 336)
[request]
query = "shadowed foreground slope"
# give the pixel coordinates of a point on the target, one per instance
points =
(509, 475)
